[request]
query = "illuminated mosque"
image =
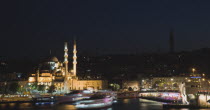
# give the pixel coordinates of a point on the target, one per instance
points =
(53, 72)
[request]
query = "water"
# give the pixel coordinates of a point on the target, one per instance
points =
(123, 104)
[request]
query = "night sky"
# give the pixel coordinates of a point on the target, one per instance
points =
(33, 27)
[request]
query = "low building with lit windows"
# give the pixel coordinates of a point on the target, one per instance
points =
(167, 83)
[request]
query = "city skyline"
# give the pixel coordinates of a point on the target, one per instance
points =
(93, 54)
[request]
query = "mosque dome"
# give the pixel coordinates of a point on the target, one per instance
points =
(48, 63)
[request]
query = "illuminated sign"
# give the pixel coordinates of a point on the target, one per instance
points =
(195, 77)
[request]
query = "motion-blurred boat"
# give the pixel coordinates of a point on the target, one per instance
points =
(73, 96)
(94, 102)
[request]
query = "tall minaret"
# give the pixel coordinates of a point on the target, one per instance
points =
(66, 57)
(171, 41)
(75, 59)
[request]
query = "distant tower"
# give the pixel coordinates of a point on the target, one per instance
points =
(171, 41)
(75, 59)
(50, 52)
(66, 57)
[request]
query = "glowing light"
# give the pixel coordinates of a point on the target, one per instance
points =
(31, 79)
(193, 70)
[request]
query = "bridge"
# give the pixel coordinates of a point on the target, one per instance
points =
(165, 96)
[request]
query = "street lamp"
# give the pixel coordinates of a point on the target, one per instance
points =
(172, 83)
(22, 89)
(193, 70)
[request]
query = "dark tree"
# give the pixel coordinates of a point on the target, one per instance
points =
(41, 87)
(51, 89)
(13, 88)
(34, 86)
(4, 89)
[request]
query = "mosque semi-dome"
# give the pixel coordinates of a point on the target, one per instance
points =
(50, 59)
(53, 59)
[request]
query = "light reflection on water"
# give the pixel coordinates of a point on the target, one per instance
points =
(122, 104)
(126, 101)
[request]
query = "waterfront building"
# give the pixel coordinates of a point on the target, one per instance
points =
(167, 83)
(131, 86)
(194, 83)
(189, 87)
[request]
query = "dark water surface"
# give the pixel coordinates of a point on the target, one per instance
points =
(123, 104)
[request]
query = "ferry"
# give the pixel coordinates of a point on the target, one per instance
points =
(73, 96)
(95, 102)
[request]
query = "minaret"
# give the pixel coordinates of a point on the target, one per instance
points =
(66, 57)
(171, 41)
(75, 59)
